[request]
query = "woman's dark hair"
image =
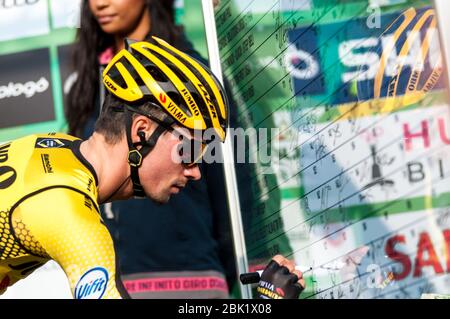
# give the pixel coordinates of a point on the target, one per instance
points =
(91, 41)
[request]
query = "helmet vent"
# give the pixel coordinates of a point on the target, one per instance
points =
(176, 98)
(156, 73)
(171, 66)
(116, 76)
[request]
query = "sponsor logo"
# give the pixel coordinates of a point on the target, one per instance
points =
(89, 186)
(92, 285)
(176, 113)
(267, 285)
(422, 260)
(162, 98)
(302, 61)
(7, 174)
(87, 202)
(29, 89)
(301, 64)
(191, 102)
(8, 4)
(110, 85)
(50, 143)
(207, 98)
(267, 294)
(4, 152)
(362, 64)
(46, 163)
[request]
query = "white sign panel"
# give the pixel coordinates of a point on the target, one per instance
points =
(377, 159)
(23, 18)
(65, 13)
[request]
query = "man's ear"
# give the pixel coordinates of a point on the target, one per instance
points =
(142, 127)
(142, 137)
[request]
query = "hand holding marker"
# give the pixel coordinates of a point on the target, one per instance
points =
(254, 277)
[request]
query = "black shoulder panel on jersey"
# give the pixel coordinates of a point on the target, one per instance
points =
(75, 147)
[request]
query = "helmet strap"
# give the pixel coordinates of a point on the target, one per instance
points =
(136, 156)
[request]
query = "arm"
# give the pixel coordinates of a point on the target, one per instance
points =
(68, 227)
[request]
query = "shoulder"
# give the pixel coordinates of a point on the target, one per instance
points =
(49, 161)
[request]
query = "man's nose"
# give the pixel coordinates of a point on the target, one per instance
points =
(193, 172)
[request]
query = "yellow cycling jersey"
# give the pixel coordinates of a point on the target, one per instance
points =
(49, 210)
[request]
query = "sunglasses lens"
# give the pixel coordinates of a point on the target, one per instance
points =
(191, 151)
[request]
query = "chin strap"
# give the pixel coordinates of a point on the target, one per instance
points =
(135, 156)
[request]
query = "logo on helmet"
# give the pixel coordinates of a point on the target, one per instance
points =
(162, 98)
(110, 85)
(191, 102)
(208, 101)
(176, 113)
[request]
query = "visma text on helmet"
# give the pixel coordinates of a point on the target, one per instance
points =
(29, 89)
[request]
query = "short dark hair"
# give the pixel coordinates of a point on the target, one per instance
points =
(111, 122)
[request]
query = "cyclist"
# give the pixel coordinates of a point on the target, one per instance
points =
(146, 143)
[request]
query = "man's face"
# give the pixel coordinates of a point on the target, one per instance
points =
(161, 173)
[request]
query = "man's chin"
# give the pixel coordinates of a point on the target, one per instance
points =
(163, 199)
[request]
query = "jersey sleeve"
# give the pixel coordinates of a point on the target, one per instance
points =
(66, 225)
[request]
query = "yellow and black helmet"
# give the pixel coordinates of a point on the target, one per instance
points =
(181, 85)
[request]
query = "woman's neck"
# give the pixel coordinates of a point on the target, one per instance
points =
(138, 33)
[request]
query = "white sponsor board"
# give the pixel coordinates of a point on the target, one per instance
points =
(65, 13)
(347, 227)
(285, 155)
(376, 159)
(23, 18)
(278, 5)
(402, 256)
